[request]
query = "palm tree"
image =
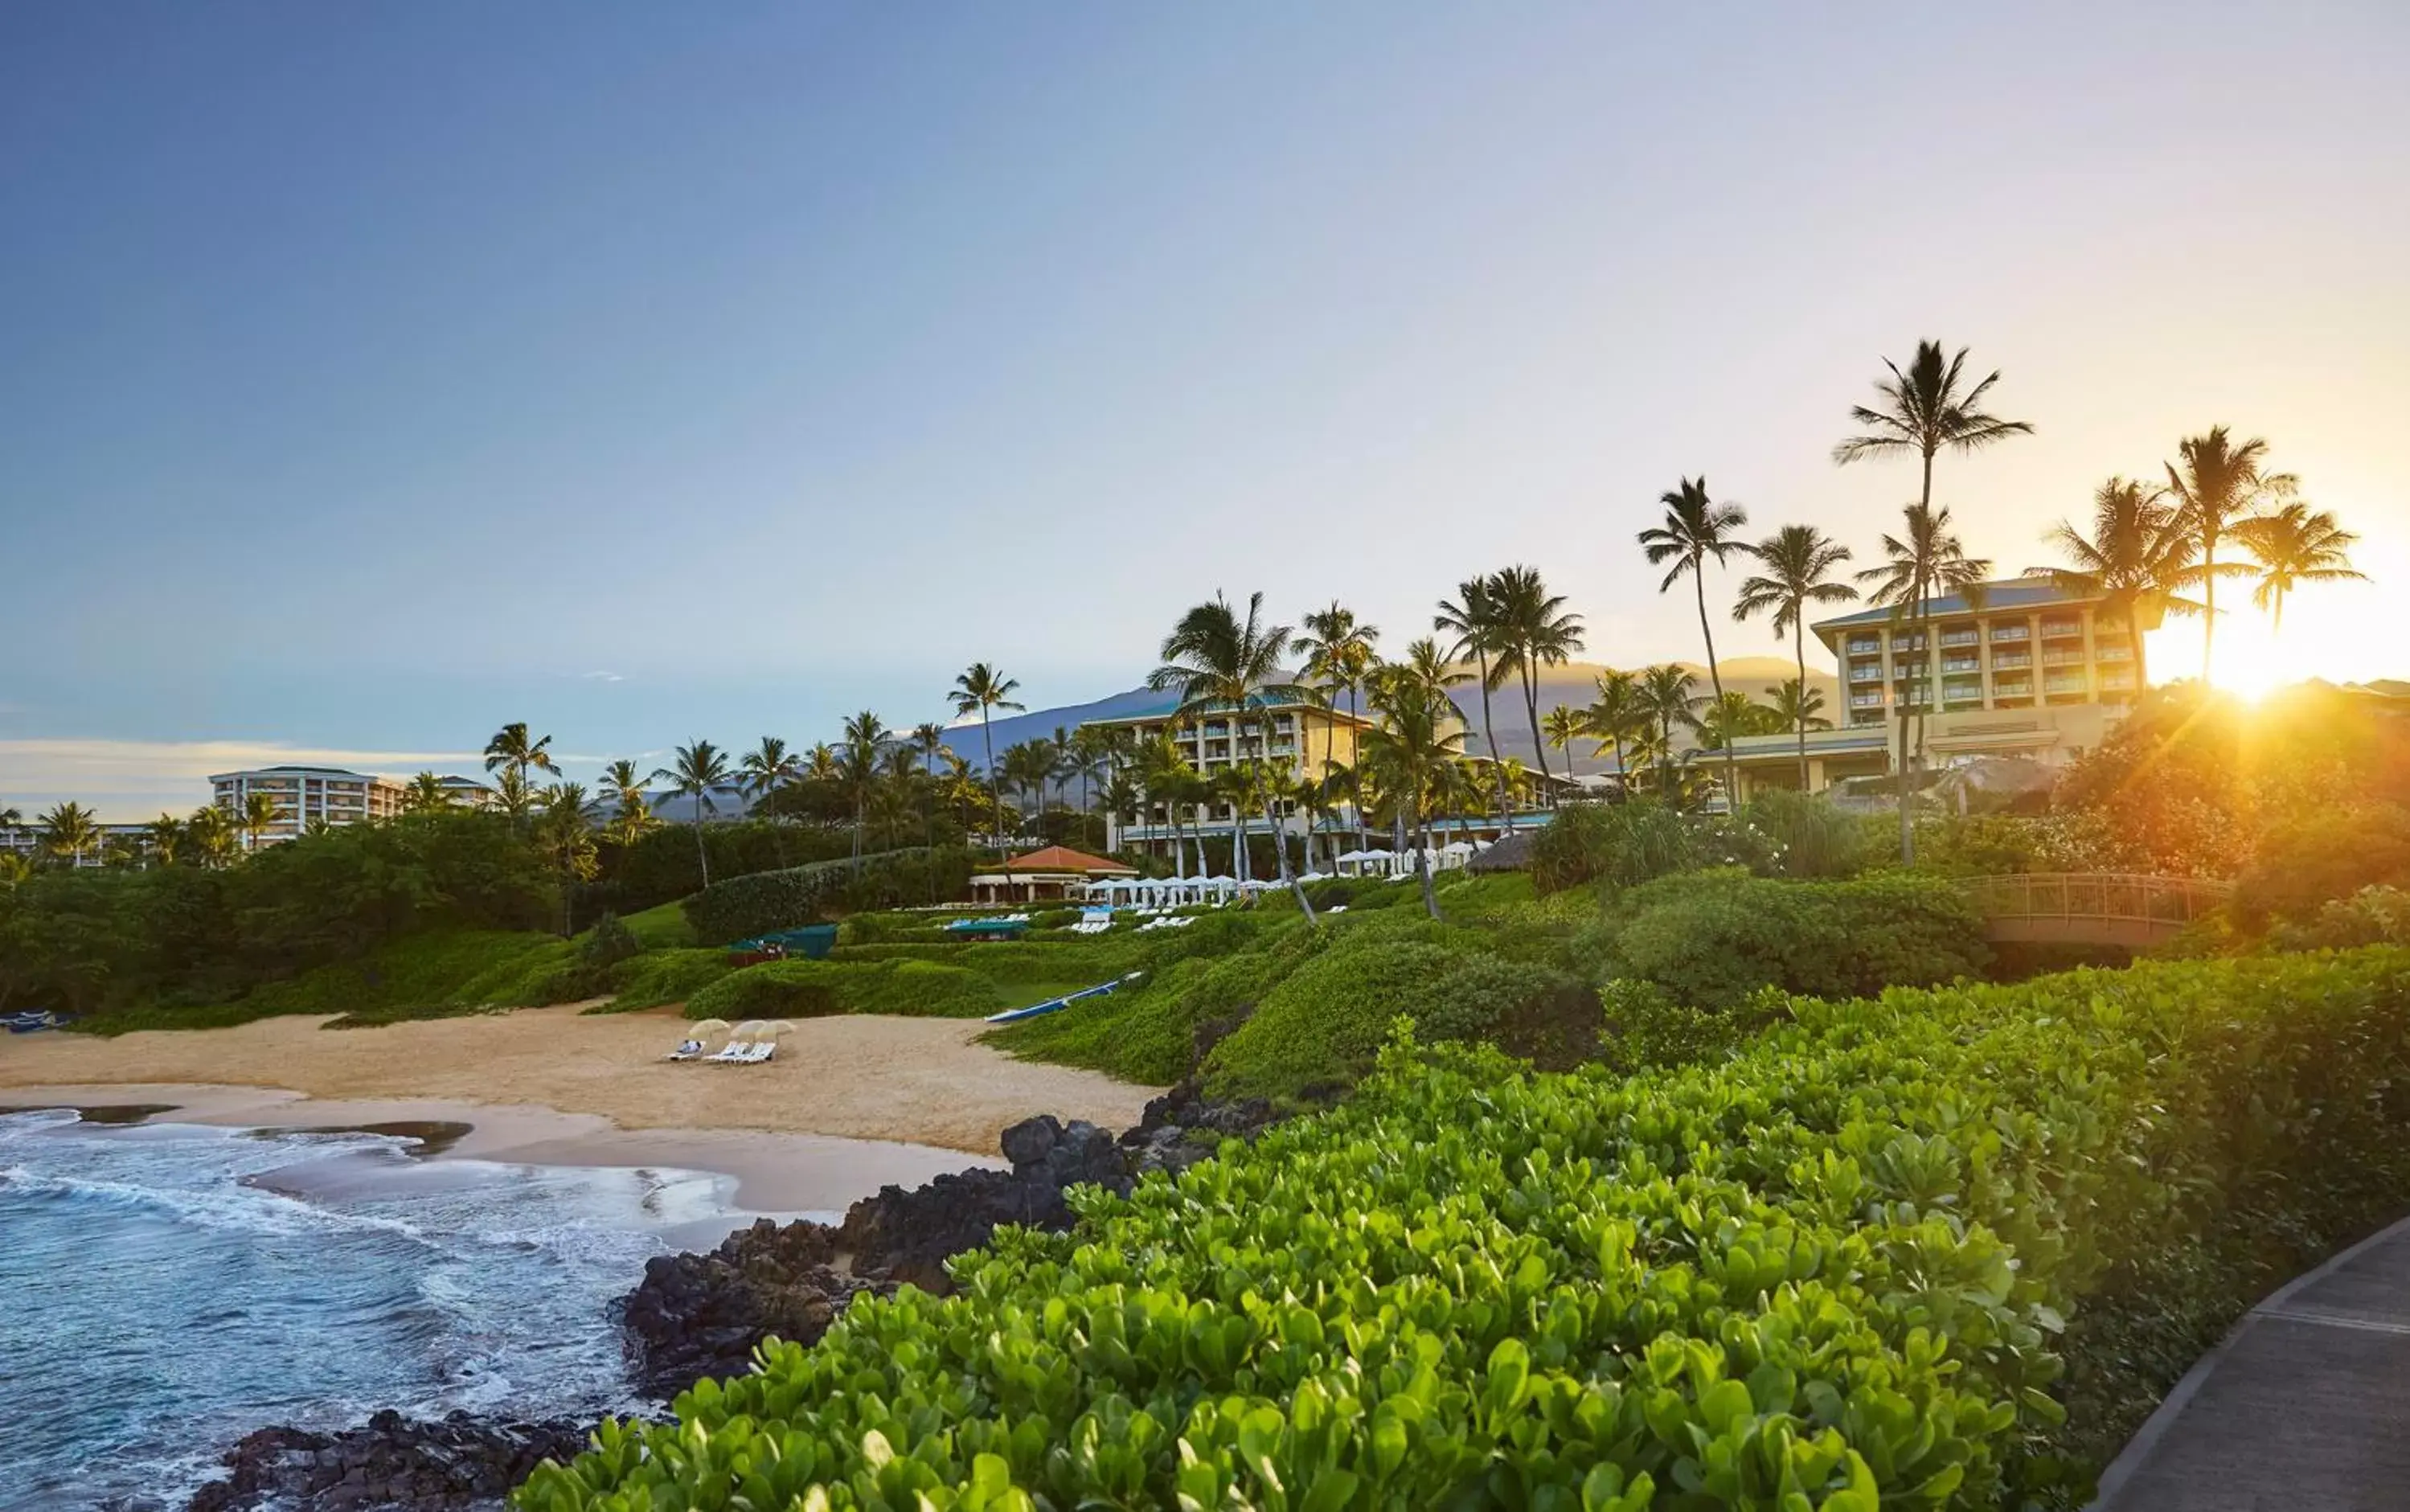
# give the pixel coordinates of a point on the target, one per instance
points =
(1407, 756)
(983, 690)
(210, 831)
(1535, 631)
(632, 814)
(1798, 561)
(1163, 773)
(70, 829)
(767, 767)
(1925, 563)
(165, 835)
(694, 771)
(1665, 704)
(14, 868)
(425, 795)
(2136, 561)
(1696, 528)
(1613, 715)
(1338, 654)
(2221, 484)
(511, 747)
(1221, 664)
(11, 818)
(866, 740)
(2296, 544)
(1564, 725)
(567, 841)
(1800, 706)
(928, 738)
(258, 814)
(1473, 619)
(514, 794)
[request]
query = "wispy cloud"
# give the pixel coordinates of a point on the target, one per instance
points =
(602, 677)
(130, 780)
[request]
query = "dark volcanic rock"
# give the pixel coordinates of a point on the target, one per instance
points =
(900, 1236)
(1182, 1127)
(458, 1461)
(695, 1316)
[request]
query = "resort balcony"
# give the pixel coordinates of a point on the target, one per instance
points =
(2104, 625)
(1907, 643)
(2114, 653)
(2063, 659)
(1865, 645)
(1866, 674)
(2117, 682)
(1865, 701)
(2012, 659)
(2067, 684)
(2010, 635)
(2061, 629)
(1951, 639)
(1961, 663)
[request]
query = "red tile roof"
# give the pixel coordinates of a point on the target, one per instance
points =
(1063, 858)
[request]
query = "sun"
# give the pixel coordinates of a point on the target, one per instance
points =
(2248, 662)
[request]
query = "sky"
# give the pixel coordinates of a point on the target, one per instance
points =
(373, 375)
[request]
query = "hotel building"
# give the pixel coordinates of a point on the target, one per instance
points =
(2037, 672)
(305, 794)
(1303, 736)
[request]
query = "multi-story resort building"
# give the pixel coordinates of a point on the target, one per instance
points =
(1305, 735)
(2036, 672)
(307, 794)
(27, 840)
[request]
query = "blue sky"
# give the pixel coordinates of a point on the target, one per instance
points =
(376, 374)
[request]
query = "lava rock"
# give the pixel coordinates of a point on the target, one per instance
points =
(390, 1462)
(697, 1315)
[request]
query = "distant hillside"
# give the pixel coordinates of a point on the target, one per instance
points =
(1574, 683)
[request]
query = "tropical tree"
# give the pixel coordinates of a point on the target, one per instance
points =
(983, 689)
(859, 753)
(210, 833)
(1564, 725)
(767, 767)
(1696, 528)
(513, 749)
(1729, 717)
(1797, 563)
(1472, 618)
(164, 836)
(2220, 483)
(259, 814)
(1221, 664)
(514, 794)
(2137, 561)
(928, 738)
(1028, 767)
(1925, 562)
(1667, 702)
(425, 795)
(694, 771)
(1407, 756)
(14, 869)
(1535, 631)
(1799, 705)
(69, 830)
(11, 818)
(1338, 651)
(2293, 545)
(1614, 714)
(632, 815)
(567, 843)
(1164, 775)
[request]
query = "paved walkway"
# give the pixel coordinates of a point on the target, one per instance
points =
(2305, 1407)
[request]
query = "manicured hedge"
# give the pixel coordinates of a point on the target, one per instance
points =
(1069, 960)
(808, 989)
(743, 907)
(1323, 1022)
(1938, 1250)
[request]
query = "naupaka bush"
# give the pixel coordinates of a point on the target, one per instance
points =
(1872, 1257)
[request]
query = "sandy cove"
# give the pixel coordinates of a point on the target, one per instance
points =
(850, 1103)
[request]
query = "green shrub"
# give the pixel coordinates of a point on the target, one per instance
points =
(1944, 1249)
(2372, 916)
(1089, 960)
(1645, 1027)
(1621, 843)
(1711, 939)
(1147, 1032)
(1323, 1023)
(1536, 1012)
(808, 989)
(1808, 838)
(660, 977)
(744, 907)
(2321, 859)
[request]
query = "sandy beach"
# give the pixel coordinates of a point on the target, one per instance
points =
(850, 1103)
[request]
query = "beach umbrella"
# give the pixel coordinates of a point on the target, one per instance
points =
(750, 1029)
(777, 1027)
(706, 1027)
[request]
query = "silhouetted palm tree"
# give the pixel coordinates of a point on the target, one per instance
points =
(1407, 756)
(2136, 561)
(983, 690)
(1695, 528)
(1667, 703)
(1534, 632)
(1472, 618)
(1798, 561)
(2221, 484)
(1613, 715)
(865, 742)
(694, 771)
(1925, 563)
(2296, 544)
(70, 829)
(512, 748)
(1338, 652)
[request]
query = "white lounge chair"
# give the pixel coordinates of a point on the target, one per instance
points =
(761, 1052)
(734, 1052)
(687, 1049)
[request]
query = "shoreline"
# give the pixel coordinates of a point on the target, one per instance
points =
(861, 1080)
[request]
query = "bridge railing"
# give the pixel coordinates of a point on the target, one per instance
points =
(2170, 902)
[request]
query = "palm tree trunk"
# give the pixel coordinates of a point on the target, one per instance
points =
(1799, 647)
(1490, 728)
(1532, 708)
(1716, 678)
(702, 856)
(2209, 601)
(1422, 867)
(1288, 878)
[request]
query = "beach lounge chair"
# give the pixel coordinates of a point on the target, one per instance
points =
(734, 1052)
(687, 1049)
(762, 1050)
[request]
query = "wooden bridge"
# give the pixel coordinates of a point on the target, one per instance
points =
(2092, 907)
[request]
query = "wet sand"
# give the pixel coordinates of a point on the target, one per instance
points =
(850, 1103)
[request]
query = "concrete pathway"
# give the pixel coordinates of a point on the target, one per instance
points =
(2305, 1407)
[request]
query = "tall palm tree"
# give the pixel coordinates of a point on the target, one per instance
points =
(1535, 631)
(1407, 756)
(511, 747)
(1472, 618)
(11, 818)
(259, 813)
(425, 795)
(928, 738)
(864, 743)
(514, 794)
(2221, 484)
(767, 767)
(567, 842)
(983, 690)
(165, 836)
(1221, 664)
(2293, 545)
(1614, 714)
(1695, 528)
(1925, 563)
(1667, 702)
(694, 771)
(2137, 561)
(210, 833)
(69, 830)
(1564, 725)
(1800, 706)
(1798, 562)
(1163, 771)
(1338, 652)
